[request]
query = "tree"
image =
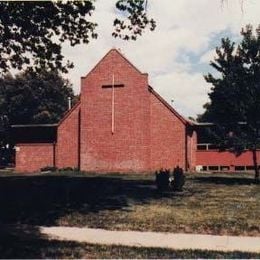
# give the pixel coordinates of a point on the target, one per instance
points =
(137, 20)
(234, 100)
(32, 33)
(31, 98)
(34, 98)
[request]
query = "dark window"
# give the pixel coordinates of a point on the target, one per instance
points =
(202, 147)
(213, 168)
(204, 168)
(240, 168)
(212, 147)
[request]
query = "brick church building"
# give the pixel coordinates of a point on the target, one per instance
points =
(120, 124)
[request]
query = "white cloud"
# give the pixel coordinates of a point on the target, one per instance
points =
(208, 56)
(186, 89)
(184, 27)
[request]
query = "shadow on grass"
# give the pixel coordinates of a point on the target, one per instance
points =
(42, 200)
(225, 180)
(27, 242)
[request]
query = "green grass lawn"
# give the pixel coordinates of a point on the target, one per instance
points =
(41, 248)
(209, 204)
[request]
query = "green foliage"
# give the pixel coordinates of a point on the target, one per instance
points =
(65, 169)
(32, 33)
(30, 98)
(49, 169)
(69, 169)
(136, 22)
(34, 97)
(4, 126)
(234, 100)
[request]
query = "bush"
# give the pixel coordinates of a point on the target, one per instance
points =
(49, 169)
(69, 169)
(162, 179)
(66, 169)
(179, 179)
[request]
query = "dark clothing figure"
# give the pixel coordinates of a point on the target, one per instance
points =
(162, 179)
(179, 179)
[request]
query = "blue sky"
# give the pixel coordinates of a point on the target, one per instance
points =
(177, 54)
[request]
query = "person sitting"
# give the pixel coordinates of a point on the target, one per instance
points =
(162, 179)
(178, 179)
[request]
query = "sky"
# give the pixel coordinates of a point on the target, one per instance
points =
(177, 54)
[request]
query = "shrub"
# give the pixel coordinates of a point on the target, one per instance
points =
(69, 169)
(49, 169)
(179, 179)
(66, 169)
(162, 179)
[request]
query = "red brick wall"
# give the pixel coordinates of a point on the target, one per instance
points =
(148, 134)
(33, 157)
(128, 149)
(215, 158)
(67, 147)
(167, 137)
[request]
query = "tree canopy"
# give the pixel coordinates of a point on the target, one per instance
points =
(34, 98)
(234, 98)
(32, 33)
(31, 98)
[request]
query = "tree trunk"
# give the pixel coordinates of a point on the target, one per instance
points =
(255, 165)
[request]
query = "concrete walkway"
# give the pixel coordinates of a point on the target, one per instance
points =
(154, 239)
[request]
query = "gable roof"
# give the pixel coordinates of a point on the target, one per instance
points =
(118, 53)
(33, 125)
(68, 113)
(165, 103)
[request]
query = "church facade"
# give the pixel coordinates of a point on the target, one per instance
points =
(120, 124)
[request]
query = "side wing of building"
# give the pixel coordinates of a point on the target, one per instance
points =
(173, 140)
(68, 139)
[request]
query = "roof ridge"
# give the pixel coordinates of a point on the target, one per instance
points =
(174, 111)
(34, 125)
(121, 54)
(68, 112)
